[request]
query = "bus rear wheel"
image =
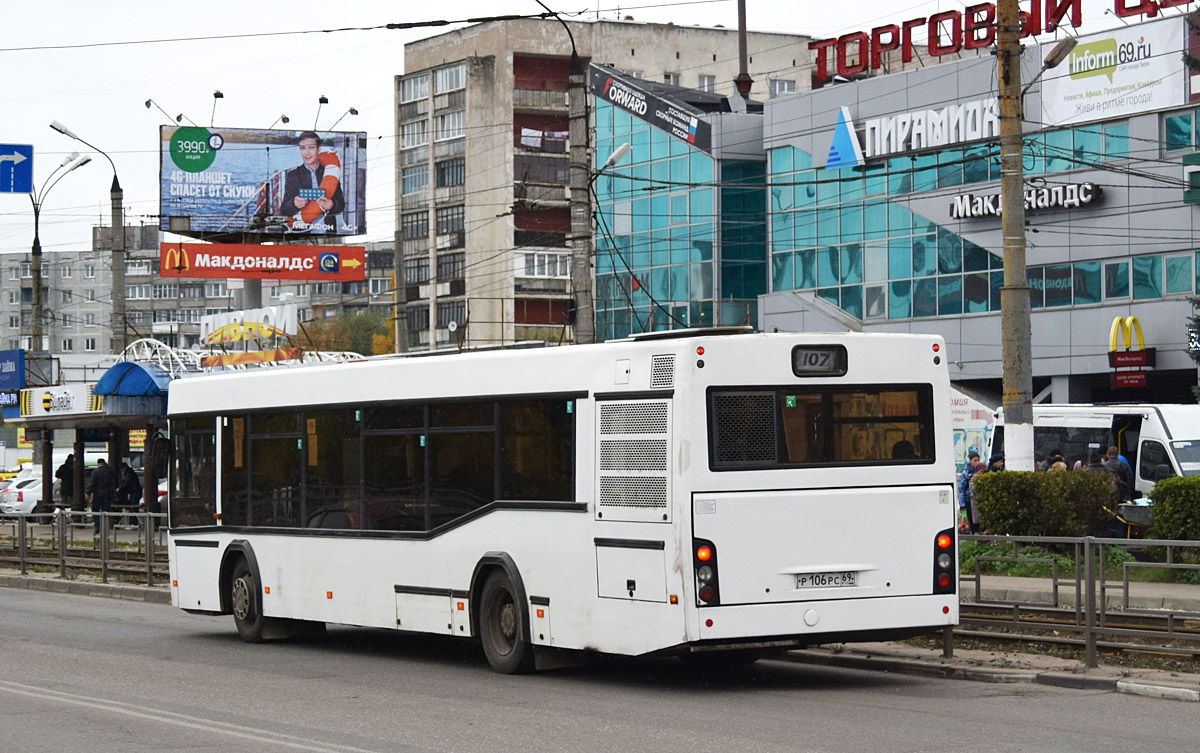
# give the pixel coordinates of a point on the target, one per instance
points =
(244, 598)
(502, 625)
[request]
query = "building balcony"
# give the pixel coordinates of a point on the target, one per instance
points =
(417, 200)
(449, 194)
(539, 195)
(539, 239)
(537, 99)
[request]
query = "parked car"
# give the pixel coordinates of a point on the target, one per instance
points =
(22, 496)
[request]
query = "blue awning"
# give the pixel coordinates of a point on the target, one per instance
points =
(133, 380)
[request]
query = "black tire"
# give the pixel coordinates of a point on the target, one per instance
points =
(244, 599)
(502, 627)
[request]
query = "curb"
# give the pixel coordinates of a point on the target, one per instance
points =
(1169, 692)
(923, 668)
(146, 594)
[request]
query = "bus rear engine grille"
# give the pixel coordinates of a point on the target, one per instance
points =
(633, 491)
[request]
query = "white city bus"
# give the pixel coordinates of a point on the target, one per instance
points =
(687, 494)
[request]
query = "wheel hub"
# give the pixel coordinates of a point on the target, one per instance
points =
(241, 599)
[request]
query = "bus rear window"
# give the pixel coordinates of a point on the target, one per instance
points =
(778, 427)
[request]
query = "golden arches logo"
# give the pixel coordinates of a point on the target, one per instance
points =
(1126, 329)
(177, 260)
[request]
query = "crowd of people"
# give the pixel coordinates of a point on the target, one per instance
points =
(106, 487)
(1109, 460)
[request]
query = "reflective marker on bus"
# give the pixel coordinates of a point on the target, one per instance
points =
(626, 498)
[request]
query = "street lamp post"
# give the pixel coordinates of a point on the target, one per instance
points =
(37, 198)
(118, 244)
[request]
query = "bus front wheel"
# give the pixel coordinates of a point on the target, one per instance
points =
(502, 627)
(244, 598)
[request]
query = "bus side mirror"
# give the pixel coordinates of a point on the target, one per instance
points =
(1161, 471)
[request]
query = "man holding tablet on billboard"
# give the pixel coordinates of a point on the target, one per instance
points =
(312, 191)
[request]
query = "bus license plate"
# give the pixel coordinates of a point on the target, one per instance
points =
(826, 580)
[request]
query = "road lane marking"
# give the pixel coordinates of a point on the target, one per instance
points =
(179, 720)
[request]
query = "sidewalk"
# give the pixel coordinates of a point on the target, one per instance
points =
(902, 658)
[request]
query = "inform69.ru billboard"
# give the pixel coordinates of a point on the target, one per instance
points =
(243, 180)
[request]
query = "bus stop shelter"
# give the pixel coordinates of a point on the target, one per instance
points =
(131, 395)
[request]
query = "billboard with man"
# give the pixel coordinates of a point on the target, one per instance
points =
(271, 182)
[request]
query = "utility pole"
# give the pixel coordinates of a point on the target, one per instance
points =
(118, 266)
(581, 204)
(1014, 294)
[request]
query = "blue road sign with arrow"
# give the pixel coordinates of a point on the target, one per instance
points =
(16, 168)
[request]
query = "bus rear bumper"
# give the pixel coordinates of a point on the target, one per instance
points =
(814, 622)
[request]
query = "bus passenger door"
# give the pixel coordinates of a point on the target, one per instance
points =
(1126, 429)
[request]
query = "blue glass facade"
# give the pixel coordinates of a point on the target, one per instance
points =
(846, 235)
(680, 235)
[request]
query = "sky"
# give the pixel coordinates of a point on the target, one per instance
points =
(73, 61)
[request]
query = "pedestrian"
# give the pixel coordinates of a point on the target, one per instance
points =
(1059, 465)
(965, 492)
(66, 482)
(1096, 463)
(1120, 466)
(129, 489)
(101, 489)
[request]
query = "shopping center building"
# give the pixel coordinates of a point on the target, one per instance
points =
(890, 221)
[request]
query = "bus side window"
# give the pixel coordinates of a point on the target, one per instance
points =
(1152, 455)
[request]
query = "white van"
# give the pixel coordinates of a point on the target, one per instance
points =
(1158, 440)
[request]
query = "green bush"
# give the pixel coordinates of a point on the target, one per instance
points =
(1177, 508)
(1071, 503)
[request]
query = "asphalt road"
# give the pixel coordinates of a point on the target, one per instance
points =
(88, 674)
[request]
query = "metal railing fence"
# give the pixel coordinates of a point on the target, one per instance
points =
(113, 544)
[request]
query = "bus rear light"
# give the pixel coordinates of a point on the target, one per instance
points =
(945, 610)
(700, 350)
(704, 565)
(708, 623)
(936, 347)
(674, 598)
(944, 570)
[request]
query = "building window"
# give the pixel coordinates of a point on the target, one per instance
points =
(414, 225)
(13, 296)
(65, 296)
(14, 273)
(707, 83)
(414, 134)
(546, 265)
(414, 88)
(67, 321)
(779, 87)
(450, 172)
(1178, 131)
(216, 290)
(450, 266)
(450, 219)
(415, 179)
(354, 288)
(418, 318)
(89, 320)
(26, 270)
(139, 267)
(449, 79)
(89, 343)
(416, 271)
(89, 271)
(634, 74)
(451, 311)
(90, 295)
(14, 322)
(137, 292)
(671, 78)
(449, 125)
(66, 271)
(380, 285)
(67, 345)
